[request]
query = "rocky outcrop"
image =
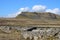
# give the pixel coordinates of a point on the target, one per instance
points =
(35, 33)
(42, 33)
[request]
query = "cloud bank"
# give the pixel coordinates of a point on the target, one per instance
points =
(26, 9)
(36, 8)
(39, 8)
(55, 10)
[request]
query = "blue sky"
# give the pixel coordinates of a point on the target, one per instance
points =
(13, 6)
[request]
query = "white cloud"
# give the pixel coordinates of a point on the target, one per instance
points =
(42, 8)
(26, 9)
(13, 14)
(55, 10)
(39, 8)
(35, 8)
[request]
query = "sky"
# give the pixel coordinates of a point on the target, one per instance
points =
(11, 8)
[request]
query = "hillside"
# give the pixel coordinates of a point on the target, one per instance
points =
(32, 18)
(31, 26)
(35, 15)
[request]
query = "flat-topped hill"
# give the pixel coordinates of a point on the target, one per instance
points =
(35, 15)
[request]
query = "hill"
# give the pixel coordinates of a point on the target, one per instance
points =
(35, 15)
(29, 25)
(32, 18)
